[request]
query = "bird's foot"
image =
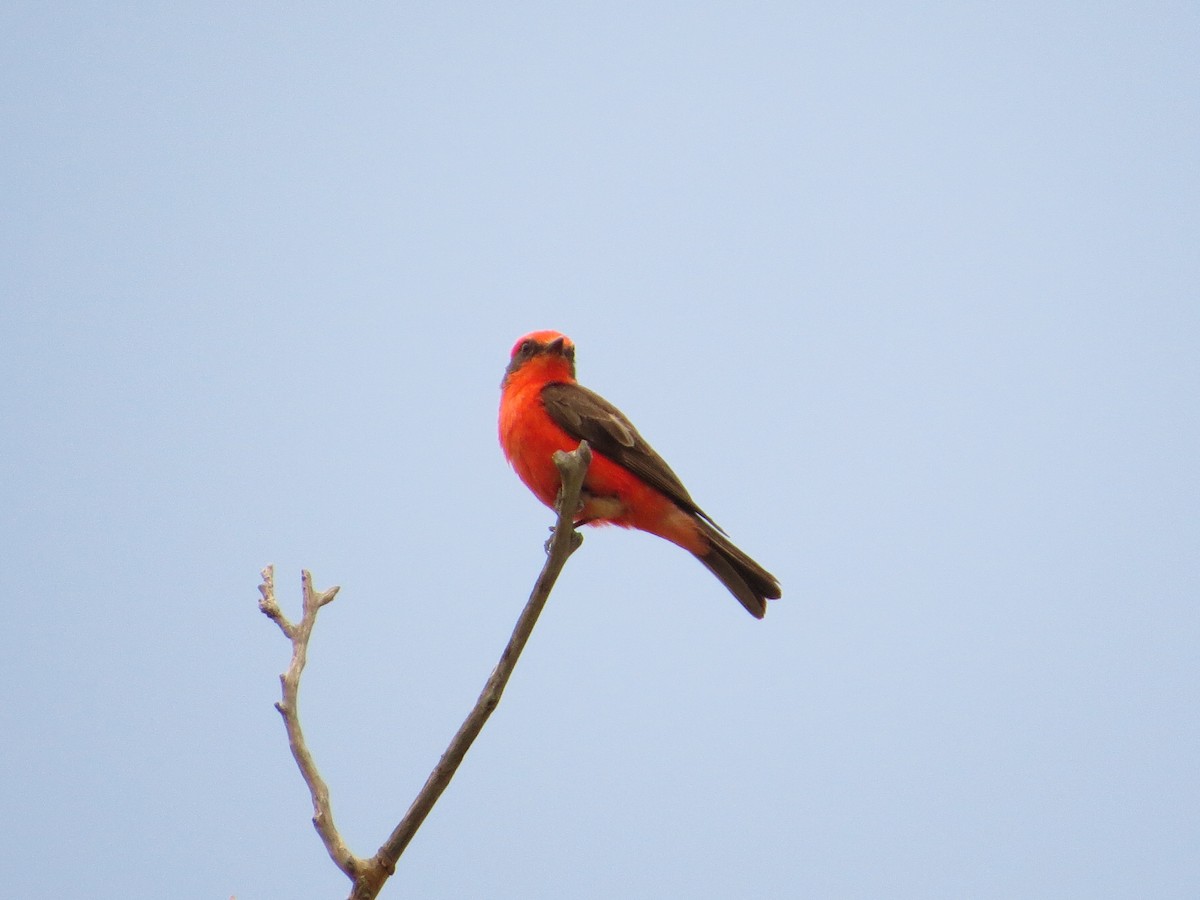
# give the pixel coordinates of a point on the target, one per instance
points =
(576, 538)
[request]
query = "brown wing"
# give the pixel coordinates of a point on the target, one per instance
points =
(587, 416)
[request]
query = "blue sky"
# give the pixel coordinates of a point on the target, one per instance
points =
(908, 296)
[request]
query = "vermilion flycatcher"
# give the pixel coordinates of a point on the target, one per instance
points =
(543, 409)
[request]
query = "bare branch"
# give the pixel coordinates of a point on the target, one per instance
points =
(572, 468)
(369, 875)
(299, 634)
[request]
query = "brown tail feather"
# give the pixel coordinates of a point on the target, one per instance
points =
(747, 580)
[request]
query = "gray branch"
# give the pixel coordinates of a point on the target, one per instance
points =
(369, 875)
(299, 634)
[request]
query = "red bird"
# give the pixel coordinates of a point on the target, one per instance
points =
(543, 409)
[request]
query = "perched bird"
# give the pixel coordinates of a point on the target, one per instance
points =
(543, 409)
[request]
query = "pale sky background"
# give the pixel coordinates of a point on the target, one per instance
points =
(908, 295)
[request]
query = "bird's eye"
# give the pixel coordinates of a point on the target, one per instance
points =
(569, 353)
(527, 347)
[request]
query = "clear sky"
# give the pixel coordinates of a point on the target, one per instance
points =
(907, 294)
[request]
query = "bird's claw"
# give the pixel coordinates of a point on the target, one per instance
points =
(576, 539)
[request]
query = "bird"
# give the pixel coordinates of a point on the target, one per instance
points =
(543, 409)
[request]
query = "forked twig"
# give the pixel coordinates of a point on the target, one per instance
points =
(369, 875)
